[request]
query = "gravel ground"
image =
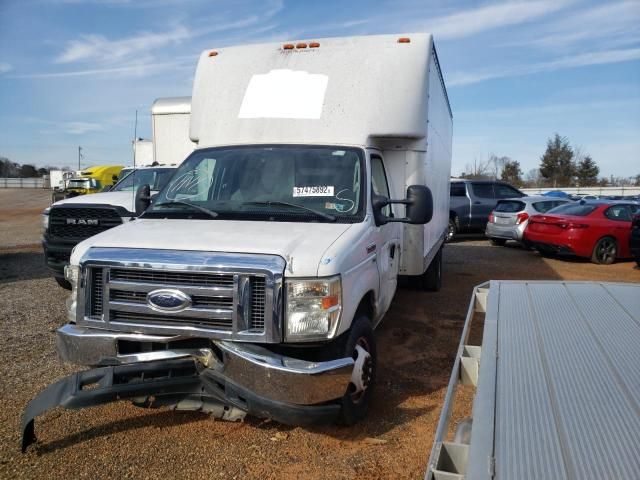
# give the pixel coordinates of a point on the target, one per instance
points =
(417, 342)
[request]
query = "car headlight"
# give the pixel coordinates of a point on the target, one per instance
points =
(45, 219)
(72, 275)
(313, 308)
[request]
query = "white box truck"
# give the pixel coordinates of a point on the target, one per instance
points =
(254, 280)
(67, 222)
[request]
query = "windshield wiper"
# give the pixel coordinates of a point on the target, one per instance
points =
(211, 213)
(326, 216)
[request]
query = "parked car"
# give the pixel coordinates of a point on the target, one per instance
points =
(597, 230)
(471, 202)
(510, 217)
(634, 239)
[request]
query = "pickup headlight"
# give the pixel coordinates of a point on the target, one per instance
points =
(313, 308)
(72, 275)
(45, 219)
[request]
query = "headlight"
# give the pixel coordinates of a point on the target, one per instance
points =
(313, 308)
(45, 219)
(72, 275)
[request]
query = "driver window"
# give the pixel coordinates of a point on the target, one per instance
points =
(379, 181)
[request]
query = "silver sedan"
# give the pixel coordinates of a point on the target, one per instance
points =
(509, 218)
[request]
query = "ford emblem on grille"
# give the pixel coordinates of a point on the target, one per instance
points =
(168, 300)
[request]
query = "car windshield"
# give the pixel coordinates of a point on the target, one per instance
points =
(156, 178)
(575, 209)
(283, 183)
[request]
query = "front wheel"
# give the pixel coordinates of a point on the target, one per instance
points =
(605, 251)
(361, 346)
(451, 230)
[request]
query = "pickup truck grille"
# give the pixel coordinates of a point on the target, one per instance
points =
(81, 222)
(118, 296)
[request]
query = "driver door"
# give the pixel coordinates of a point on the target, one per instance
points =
(387, 237)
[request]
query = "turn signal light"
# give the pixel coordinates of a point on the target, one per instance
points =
(404, 40)
(288, 46)
(301, 45)
(213, 53)
(491, 218)
(522, 217)
(314, 45)
(330, 301)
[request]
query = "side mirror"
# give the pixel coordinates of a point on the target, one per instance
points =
(419, 206)
(143, 199)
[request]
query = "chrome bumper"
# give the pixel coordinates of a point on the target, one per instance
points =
(269, 375)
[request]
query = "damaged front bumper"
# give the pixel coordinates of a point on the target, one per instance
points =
(244, 376)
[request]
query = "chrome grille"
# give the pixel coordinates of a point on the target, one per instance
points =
(219, 307)
(258, 296)
(95, 304)
(172, 278)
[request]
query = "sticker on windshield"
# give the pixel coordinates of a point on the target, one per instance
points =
(315, 191)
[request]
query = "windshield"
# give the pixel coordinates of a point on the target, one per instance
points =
(80, 183)
(156, 178)
(283, 183)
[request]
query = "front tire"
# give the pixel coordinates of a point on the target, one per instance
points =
(63, 283)
(605, 251)
(360, 344)
(452, 230)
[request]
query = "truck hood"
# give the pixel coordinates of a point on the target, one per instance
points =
(302, 245)
(118, 199)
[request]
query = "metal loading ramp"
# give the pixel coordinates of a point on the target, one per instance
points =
(557, 385)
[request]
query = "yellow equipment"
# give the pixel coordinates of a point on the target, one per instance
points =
(91, 180)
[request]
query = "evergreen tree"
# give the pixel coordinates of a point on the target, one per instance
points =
(556, 165)
(512, 173)
(587, 172)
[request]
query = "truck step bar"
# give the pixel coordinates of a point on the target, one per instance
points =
(557, 385)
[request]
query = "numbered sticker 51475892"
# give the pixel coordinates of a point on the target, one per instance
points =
(313, 191)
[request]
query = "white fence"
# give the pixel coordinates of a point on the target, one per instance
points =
(23, 183)
(587, 190)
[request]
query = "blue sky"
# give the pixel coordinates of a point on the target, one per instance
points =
(73, 72)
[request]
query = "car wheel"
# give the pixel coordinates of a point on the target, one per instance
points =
(452, 230)
(63, 283)
(498, 242)
(361, 345)
(605, 251)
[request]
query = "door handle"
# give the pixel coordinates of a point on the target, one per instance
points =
(477, 203)
(392, 250)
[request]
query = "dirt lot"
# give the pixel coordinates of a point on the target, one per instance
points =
(417, 342)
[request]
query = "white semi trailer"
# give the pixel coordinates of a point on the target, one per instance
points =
(256, 278)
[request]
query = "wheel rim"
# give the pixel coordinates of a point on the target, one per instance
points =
(451, 231)
(606, 251)
(362, 370)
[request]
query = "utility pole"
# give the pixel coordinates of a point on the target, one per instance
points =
(79, 157)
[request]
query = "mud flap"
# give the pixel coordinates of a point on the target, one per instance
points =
(109, 384)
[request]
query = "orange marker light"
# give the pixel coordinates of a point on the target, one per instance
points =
(404, 40)
(314, 45)
(301, 45)
(213, 53)
(328, 302)
(287, 46)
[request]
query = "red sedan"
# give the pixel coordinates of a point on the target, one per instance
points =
(596, 230)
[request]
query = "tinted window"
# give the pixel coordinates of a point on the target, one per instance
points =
(546, 205)
(577, 209)
(458, 189)
(509, 206)
(505, 191)
(379, 181)
(619, 213)
(482, 190)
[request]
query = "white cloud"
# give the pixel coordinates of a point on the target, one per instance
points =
(489, 17)
(97, 48)
(5, 67)
(80, 128)
(129, 70)
(582, 60)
